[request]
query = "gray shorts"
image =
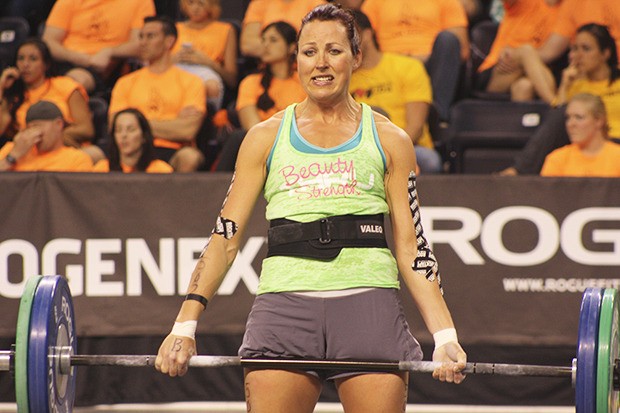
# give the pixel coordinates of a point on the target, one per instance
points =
(368, 326)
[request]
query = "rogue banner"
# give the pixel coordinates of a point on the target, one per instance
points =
(515, 254)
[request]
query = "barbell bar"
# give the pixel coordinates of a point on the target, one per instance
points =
(66, 360)
(44, 358)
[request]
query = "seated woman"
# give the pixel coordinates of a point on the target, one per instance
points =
(261, 95)
(207, 47)
(590, 152)
(30, 81)
(131, 148)
(593, 69)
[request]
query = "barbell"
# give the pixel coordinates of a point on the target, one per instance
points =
(44, 358)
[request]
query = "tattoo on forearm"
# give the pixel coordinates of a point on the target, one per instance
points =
(196, 276)
(247, 398)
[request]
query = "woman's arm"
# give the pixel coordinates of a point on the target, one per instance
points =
(426, 292)
(229, 68)
(222, 247)
(248, 116)
(82, 129)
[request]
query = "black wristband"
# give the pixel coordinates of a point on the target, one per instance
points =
(202, 300)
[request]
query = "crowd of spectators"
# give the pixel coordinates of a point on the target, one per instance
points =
(195, 77)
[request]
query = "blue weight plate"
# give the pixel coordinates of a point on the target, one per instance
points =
(587, 351)
(52, 325)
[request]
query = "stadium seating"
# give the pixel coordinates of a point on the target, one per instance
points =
(13, 31)
(484, 135)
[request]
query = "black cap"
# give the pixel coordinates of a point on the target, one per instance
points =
(43, 110)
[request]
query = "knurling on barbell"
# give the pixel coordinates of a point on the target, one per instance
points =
(45, 356)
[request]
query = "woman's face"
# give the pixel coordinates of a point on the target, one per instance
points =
(30, 64)
(197, 10)
(581, 124)
(325, 60)
(128, 135)
(275, 48)
(586, 55)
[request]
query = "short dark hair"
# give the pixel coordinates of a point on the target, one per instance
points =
(168, 26)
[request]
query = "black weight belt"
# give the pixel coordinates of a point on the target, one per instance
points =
(323, 239)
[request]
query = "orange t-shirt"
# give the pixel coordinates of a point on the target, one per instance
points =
(570, 161)
(210, 40)
(91, 25)
(157, 166)
(63, 159)
(282, 91)
(57, 90)
(576, 13)
(411, 26)
(525, 22)
(269, 11)
(159, 96)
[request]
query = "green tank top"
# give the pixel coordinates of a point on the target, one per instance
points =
(305, 183)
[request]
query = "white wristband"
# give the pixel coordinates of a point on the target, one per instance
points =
(185, 329)
(445, 336)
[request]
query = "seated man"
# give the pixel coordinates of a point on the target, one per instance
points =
(512, 64)
(399, 86)
(90, 39)
(40, 146)
(434, 31)
(173, 100)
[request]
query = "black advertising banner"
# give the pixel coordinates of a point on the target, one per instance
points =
(515, 253)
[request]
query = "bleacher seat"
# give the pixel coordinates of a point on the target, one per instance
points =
(13, 31)
(99, 110)
(484, 135)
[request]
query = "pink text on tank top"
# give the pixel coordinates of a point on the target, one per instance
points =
(321, 179)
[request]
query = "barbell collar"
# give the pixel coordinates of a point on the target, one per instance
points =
(6, 359)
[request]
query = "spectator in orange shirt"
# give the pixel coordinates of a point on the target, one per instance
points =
(131, 149)
(91, 38)
(574, 14)
(207, 47)
(593, 69)
(40, 147)
(173, 100)
(29, 81)
(262, 95)
(513, 64)
(260, 13)
(590, 152)
(434, 31)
